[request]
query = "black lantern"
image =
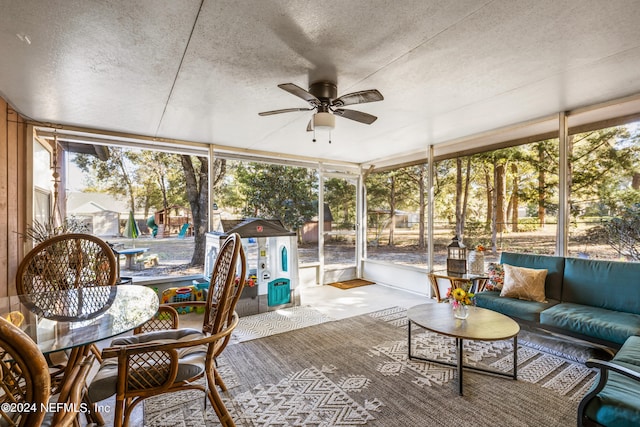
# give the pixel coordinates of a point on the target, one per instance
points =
(456, 257)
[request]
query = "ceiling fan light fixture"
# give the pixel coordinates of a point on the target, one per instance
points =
(324, 121)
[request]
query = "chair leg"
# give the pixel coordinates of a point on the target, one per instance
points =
(216, 401)
(219, 382)
(92, 415)
(119, 413)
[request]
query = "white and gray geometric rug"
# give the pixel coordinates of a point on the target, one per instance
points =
(276, 322)
(356, 372)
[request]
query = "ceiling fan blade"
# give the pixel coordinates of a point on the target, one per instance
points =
(361, 97)
(286, 110)
(358, 116)
(300, 93)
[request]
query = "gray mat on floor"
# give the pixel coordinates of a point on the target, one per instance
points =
(562, 346)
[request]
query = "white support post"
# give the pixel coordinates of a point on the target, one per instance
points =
(321, 223)
(563, 190)
(430, 207)
(361, 221)
(210, 190)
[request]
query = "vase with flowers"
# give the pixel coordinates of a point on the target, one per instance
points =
(476, 260)
(460, 300)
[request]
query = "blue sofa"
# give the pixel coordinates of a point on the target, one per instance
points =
(598, 301)
(614, 400)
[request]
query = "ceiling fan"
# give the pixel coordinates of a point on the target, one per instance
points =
(322, 96)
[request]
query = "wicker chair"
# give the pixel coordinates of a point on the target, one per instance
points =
(68, 262)
(158, 362)
(167, 316)
(25, 378)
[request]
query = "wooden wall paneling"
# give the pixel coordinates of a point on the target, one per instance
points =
(13, 194)
(12, 198)
(16, 137)
(4, 179)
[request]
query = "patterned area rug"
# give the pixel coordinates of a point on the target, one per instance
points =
(356, 372)
(276, 322)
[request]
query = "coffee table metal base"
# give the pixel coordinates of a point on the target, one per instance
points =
(460, 366)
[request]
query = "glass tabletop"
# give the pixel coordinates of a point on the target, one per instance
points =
(66, 319)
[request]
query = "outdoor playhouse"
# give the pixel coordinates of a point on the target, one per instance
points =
(272, 263)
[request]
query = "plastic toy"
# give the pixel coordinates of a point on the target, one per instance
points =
(187, 293)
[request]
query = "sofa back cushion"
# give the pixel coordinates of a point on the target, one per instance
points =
(607, 284)
(553, 264)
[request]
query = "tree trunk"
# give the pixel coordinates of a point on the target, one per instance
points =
(635, 181)
(463, 216)
(421, 184)
(197, 187)
(494, 215)
(459, 217)
(500, 194)
(392, 208)
(541, 186)
(166, 218)
(569, 172)
(514, 198)
(487, 182)
(127, 182)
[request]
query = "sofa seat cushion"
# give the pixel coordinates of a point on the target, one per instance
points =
(618, 404)
(191, 360)
(512, 307)
(600, 323)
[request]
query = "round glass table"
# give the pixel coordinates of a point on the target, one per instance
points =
(62, 320)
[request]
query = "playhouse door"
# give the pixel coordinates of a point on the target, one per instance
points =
(339, 225)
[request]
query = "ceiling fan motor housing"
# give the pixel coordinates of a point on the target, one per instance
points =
(324, 91)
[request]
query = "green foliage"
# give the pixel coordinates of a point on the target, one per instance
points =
(160, 179)
(279, 192)
(602, 163)
(528, 224)
(148, 179)
(113, 176)
(340, 195)
(622, 233)
(38, 232)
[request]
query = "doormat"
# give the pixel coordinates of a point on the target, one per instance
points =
(351, 283)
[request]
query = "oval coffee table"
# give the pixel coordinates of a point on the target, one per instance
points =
(481, 325)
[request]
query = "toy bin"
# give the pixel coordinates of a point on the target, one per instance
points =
(186, 293)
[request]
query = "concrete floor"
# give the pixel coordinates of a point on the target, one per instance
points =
(333, 302)
(339, 304)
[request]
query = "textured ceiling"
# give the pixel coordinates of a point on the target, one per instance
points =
(202, 70)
